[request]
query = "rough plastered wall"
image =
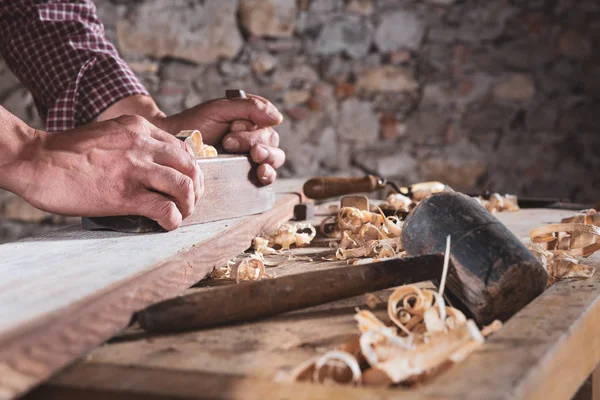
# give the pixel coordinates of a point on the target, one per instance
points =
(492, 94)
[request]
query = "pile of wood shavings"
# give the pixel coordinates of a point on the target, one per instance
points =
(366, 235)
(562, 248)
(422, 338)
(252, 267)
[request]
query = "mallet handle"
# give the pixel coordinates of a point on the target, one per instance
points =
(251, 300)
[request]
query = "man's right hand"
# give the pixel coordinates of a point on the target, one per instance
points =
(123, 166)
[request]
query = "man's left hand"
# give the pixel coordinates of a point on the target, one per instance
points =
(237, 125)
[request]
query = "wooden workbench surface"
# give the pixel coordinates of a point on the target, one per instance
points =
(68, 291)
(545, 351)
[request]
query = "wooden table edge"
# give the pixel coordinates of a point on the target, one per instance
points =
(32, 354)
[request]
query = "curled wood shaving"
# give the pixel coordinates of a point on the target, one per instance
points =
(333, 367)
(249, 268)
(193, 139)
(373, 300)
(286, 235)
(442, 347)
(297, 234)
(422, 337)
(366, 234)
(337, 367)
(559, 238)
(261, 245)
(561, 248)
(492, 328)
(392, 226)
(398, 202)
(560, 265)
(368, 321)
(351, 219)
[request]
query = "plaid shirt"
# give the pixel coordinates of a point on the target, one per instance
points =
(58, 51)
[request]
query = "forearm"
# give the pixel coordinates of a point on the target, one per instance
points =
(58, 50)
(18, 144)
(141, 105)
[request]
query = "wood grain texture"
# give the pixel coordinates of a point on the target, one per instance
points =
(544, 351)
(231, 189)
(64, 293)
(116, 382)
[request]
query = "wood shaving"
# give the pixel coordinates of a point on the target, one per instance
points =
(365, 234)
(492, 328)
(193, 139)
(261, 245)
(249, 268)
(362, 233)
(372, 300)
(561, 265)
(421, 338)
(300, 234)
(399, 202)
(562, 248)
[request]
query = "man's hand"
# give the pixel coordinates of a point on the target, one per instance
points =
(238, 126)
(124, 166)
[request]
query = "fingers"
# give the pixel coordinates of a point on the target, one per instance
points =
(160, 209)
(172, 152)
(174, 185)
(266, 174)
(262, 154)
(255, 109)
(242, 125)
(243, 141)
(182, 161)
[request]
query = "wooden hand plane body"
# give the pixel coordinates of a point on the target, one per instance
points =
(231, 189)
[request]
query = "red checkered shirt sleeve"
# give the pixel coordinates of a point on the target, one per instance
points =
(58, 50)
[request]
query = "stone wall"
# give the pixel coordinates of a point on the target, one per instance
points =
(479, 94)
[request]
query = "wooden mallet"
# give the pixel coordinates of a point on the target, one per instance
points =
(492, 273)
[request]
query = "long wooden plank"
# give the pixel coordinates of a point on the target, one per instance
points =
(64, 293)
(545, 351)
(117, 382)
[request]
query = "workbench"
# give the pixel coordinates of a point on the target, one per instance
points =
(71, 291)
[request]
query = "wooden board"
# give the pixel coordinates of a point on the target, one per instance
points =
(545, 351)
(63, 293)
